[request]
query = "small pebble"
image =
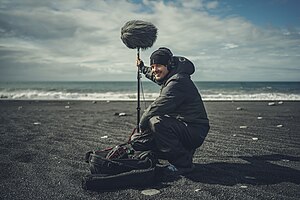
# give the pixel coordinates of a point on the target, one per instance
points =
(197, 190)
(122, 114)
(93, 102)
(280, 102)
(37, 123)
(103, 137)
(67, 107)
(244, 186)
(234, 135)
(243, 127)
(259, 117)
(279, 126)
(239, 108)
(255, 138)
(150, 192)
(271, 104)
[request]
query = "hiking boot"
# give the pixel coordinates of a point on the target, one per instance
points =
(171, 170)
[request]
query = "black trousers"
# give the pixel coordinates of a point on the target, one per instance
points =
(171, 139)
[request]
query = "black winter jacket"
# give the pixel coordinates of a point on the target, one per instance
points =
(178, 96)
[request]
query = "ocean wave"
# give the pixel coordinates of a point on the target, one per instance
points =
(131, 96)
(251, 97)
(60, 95)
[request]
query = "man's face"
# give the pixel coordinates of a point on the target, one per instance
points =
(159, 71)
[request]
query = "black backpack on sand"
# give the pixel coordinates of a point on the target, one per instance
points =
(117, 168)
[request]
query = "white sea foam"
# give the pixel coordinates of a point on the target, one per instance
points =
(55, 95)
(131, 96)
(251, 97)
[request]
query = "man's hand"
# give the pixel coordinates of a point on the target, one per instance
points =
(139, 63)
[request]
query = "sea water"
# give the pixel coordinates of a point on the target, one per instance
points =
(210, 91)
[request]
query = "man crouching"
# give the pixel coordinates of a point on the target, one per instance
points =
(176, 123)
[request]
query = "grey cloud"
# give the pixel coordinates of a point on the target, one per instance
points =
(79, 39)
(37, 25)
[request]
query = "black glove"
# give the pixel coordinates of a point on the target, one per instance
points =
(143, 127)
(141, 65)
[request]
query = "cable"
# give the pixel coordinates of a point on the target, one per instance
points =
(142, 88)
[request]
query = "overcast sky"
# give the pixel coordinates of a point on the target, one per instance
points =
(79, 40)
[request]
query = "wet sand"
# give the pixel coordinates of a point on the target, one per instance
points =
(252, 150)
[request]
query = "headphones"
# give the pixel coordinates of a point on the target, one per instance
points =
(171, 64)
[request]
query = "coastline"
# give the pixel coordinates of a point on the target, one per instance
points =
(126, 91)
(43, 143)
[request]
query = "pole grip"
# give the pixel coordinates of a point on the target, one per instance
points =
(138, 93)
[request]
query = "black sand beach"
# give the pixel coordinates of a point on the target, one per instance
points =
(43, 145)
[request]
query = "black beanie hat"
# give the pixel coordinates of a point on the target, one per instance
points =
(161, 56)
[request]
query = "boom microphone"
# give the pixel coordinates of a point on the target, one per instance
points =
(138, 34)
